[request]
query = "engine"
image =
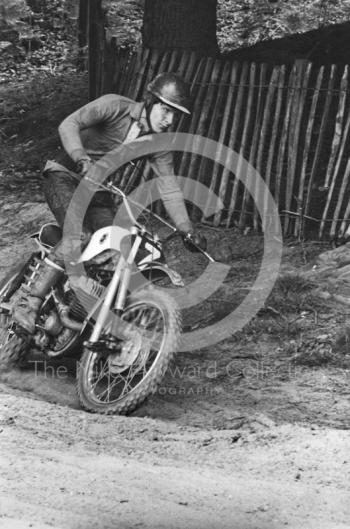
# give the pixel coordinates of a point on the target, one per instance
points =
(83, 297)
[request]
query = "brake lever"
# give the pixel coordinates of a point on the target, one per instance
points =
(177, 233)
(188, 239)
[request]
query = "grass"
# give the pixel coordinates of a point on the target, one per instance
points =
(291, 319)
(284, 313)
(294, 293)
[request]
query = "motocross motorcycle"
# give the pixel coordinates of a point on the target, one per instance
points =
(125, 340)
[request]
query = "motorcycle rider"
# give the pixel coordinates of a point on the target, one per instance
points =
(86, 135)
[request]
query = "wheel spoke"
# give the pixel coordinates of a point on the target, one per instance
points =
(126, 381)
(121, 373)
(149, 322)
(101, 375)
(126, 386)
(112, 385)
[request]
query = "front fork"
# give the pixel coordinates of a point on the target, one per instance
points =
(121, 279)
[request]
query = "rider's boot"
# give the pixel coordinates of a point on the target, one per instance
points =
(32, 294)
(49, 271)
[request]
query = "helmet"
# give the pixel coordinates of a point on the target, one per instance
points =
(171, 90)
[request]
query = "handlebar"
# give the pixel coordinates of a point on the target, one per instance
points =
(112, 188)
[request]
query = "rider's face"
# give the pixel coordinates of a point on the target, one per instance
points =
(162, 116)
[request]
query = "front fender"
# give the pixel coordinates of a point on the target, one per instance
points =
(164, 270)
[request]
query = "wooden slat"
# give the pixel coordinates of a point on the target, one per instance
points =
(244, 142)
(341, 196)
(320, 139)
(109, 73)
(173, 61)
(223, 103)
(198, 163)
(291, 155)
(164, 63)
(236, 112)
(216, 98)
(124, 59)
(198, 90)
(141, 75)
(275, 130)
(336, 172)
(115, 72)
(156, 57)
(298, 230)
(190, 73)
(346, 217)
(123, 82)
(192, 68)
(116, 66)
(338, 146)
(205, 102)
(179, 63)
(254, 141)
(129, 64)
(264, 132)
(133, 76)
(300, 91)
(232, 90)
(339, 120)
(280, 169)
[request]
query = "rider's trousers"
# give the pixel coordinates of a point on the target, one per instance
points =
(59, 188)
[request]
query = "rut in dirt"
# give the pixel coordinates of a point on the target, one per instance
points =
(48, 380)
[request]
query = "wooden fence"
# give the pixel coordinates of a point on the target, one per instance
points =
(290, 122)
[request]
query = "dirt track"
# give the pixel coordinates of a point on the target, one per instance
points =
(237, 436)
(65, 468)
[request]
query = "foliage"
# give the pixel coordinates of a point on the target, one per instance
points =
(11, 11)
(239, 23)
(249, 21)
(124, 21)
(46, 39)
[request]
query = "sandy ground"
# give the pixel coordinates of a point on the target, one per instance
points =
(236, 437)
(65, 468)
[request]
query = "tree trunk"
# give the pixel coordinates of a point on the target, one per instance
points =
(96, 39)
(180, 24)
(82, 35)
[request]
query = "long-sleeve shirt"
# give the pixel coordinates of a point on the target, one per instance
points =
(101, 126)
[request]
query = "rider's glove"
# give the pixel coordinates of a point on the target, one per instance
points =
(193, 239)
(84, 165)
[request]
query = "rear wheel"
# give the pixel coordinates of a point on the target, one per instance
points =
(12, 347)
(120, 381)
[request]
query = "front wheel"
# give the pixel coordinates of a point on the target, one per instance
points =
(120, 381)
